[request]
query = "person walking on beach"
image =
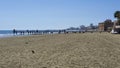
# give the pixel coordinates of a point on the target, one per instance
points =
(14, 31)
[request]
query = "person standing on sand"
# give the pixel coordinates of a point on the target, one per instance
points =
(14, 31)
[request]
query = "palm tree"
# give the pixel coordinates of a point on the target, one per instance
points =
(117, 15)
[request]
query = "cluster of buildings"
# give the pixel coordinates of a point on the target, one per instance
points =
(109, 26)
(106, 26)
(83, 28)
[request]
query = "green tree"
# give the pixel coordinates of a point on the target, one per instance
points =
(117, 15)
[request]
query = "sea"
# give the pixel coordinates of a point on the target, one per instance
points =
(6, 33)
(9, 33)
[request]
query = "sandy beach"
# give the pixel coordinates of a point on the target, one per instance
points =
(84, 50)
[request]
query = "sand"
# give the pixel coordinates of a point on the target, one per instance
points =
(88, 50)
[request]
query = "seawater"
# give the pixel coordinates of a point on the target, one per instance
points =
(9, 33)
(6, 33)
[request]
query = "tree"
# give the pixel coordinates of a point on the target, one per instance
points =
(117, 14)
(107, 21)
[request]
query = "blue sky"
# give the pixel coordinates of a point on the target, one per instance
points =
(54, 14)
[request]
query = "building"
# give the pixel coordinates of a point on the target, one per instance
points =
(107, 25)
(116, 26)
(101, 26)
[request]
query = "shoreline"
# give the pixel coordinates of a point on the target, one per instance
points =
(11, 35)
(6, 35)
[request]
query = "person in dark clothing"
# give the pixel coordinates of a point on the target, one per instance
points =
(14, 31)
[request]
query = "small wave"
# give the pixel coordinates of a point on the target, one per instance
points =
(5, 35)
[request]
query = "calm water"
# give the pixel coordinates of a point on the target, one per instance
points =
(9, 33)
(6, 33)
